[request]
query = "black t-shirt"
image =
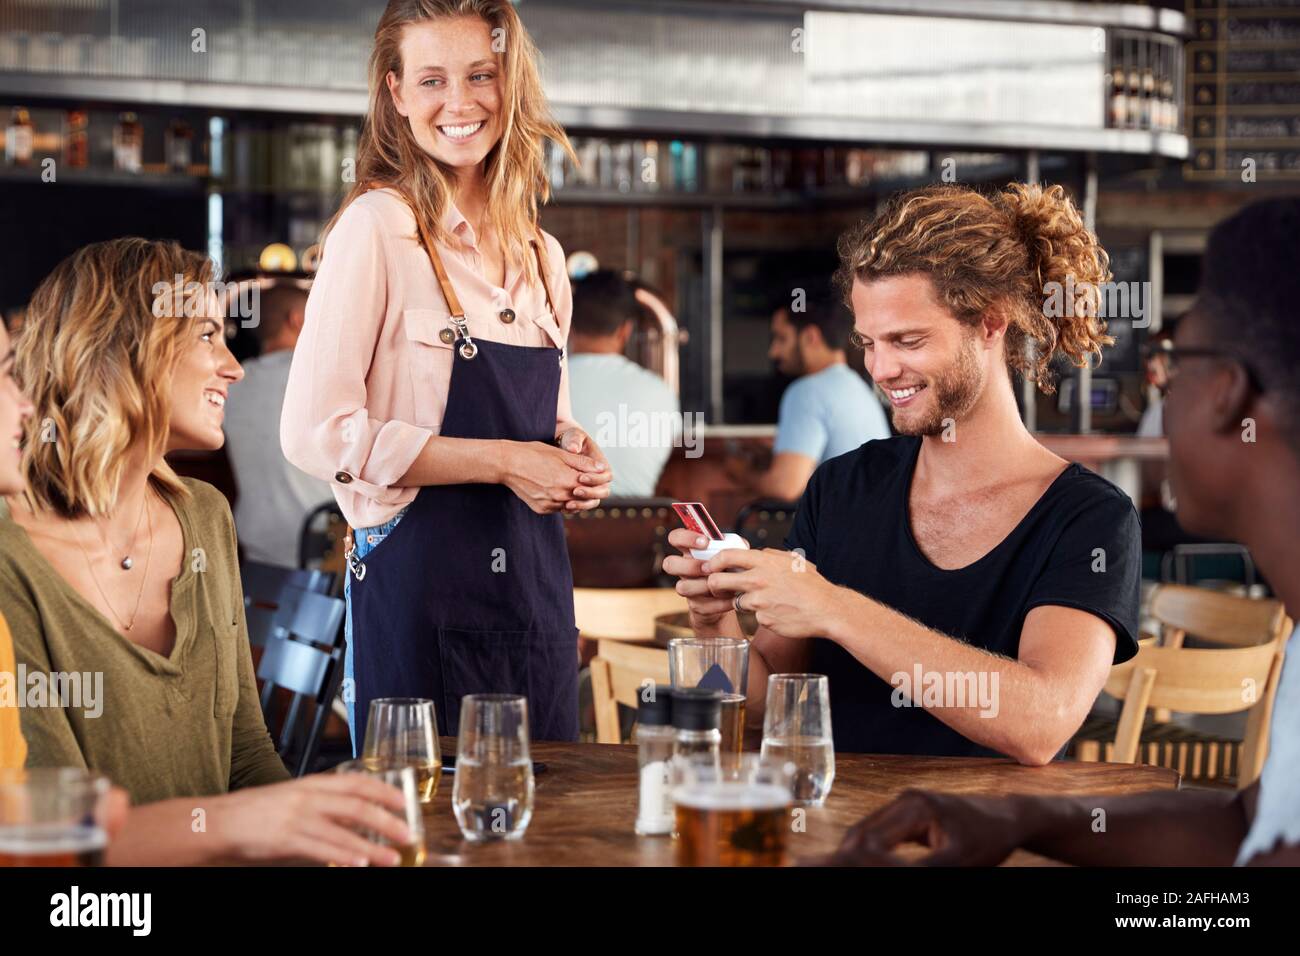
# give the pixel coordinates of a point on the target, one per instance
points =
(853, 524)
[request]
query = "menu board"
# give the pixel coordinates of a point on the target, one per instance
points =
(1243, 89)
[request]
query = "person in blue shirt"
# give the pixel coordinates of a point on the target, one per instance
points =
(828, 410)
(633, 410)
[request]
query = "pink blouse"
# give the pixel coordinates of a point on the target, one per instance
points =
(370, 374)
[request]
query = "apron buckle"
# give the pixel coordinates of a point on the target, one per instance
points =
(467, 347)
(355, 564)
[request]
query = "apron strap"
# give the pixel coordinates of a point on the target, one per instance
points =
(448, 293)
(439, 271)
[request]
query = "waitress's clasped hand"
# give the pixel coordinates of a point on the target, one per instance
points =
(571, 477)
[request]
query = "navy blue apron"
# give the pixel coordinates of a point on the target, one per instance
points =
(472, 591)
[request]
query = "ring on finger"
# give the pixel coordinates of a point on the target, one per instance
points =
(735, 602)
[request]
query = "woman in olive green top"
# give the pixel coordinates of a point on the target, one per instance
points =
(194, 714)
(122, 579)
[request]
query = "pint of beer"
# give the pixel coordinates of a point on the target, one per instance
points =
(47, 817)
(716, 663)
(733, 816)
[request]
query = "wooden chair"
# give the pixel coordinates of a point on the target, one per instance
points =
(618, 672)
(1241, 674)
(623, 614)
(1215, 616)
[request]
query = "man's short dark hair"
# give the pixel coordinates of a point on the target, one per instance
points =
(274, 306)
(821, 308)
(1250, 295)
(602, 302)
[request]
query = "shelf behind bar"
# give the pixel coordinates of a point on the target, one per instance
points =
(69, 175)
(236, 96)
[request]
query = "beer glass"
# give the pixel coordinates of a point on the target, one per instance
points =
(405, 778)
(403, 731)
(492, 794)
(732, 816)
(797, 728)
(718, 663)
(47, 817)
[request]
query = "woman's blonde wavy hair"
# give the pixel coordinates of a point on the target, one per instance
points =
(388, 154)
(97, 364)
(999, 252)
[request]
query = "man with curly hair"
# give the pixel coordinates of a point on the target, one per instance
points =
(965, 590)
(1232, 414)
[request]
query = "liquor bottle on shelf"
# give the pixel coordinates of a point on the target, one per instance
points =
(623, 166)
(555, 166)
(690, 178)
(18, 138)
(1118, 99)
(746, 176)
(719, 158)
(1133, 120)
(1148, 99)
(76, 144)
(809, 169)
(178, 146)
(1170, 105)
(604, 164)
(589, 160)
(646, 172)
(782, 169)
(128, 143)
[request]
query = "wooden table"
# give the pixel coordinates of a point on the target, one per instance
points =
(586, 803)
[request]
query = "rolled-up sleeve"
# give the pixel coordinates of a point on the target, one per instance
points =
(326, 428)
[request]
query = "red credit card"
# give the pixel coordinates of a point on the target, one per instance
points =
(696, 517)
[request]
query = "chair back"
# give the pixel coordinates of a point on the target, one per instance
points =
(1215, 616)
(623, 614)
(265, 587)
(1201, 681)
(301, 671)
(619, 671)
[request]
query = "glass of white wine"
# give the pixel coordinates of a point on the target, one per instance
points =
(404, 779)
(492, 795)
(797, 728)
(403, 731)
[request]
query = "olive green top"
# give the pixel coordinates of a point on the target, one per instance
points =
(185, 725)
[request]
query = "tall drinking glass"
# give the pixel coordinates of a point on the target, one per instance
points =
(492, 795)
(718, 663)
(403, 731)
(797, 728)
(47, 817)
(732, 816)
(404, 778)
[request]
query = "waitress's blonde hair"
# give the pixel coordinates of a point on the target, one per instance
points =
(388, 154)
(97, 361)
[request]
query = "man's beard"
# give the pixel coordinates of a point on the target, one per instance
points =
(956, 389)
(795, 366)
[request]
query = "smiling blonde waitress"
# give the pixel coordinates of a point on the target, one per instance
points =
(430, 384)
